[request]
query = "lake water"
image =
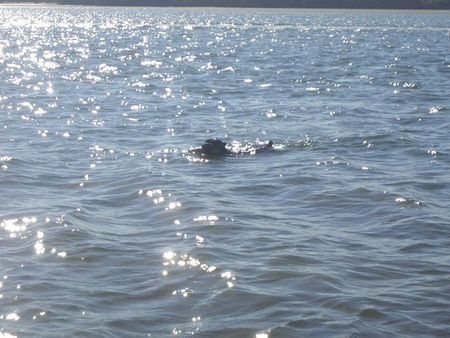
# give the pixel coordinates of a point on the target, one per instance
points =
(110, 228)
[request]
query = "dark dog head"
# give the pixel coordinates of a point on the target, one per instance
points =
(214, 147)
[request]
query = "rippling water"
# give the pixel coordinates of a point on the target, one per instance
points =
(109, 228)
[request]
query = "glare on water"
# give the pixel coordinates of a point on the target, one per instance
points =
(110, 223)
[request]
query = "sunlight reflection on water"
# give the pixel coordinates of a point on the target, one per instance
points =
(111, 222)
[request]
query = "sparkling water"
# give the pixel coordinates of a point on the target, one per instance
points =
(111, 228)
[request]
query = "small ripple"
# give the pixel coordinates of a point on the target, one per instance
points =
(417, 248)
(406, 201)
(372, 314)
(436, 109)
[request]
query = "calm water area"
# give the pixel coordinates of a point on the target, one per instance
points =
(110, 227)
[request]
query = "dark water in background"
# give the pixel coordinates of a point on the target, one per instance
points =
(109, 229)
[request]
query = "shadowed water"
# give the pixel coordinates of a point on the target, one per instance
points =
(111, 228)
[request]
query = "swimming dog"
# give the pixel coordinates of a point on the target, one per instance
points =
(217, 148)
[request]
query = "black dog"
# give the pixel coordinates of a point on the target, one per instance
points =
(218, 148)
(214, 147)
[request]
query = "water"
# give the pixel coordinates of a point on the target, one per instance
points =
(110, 229)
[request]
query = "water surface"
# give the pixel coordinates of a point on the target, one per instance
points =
(109, 228)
